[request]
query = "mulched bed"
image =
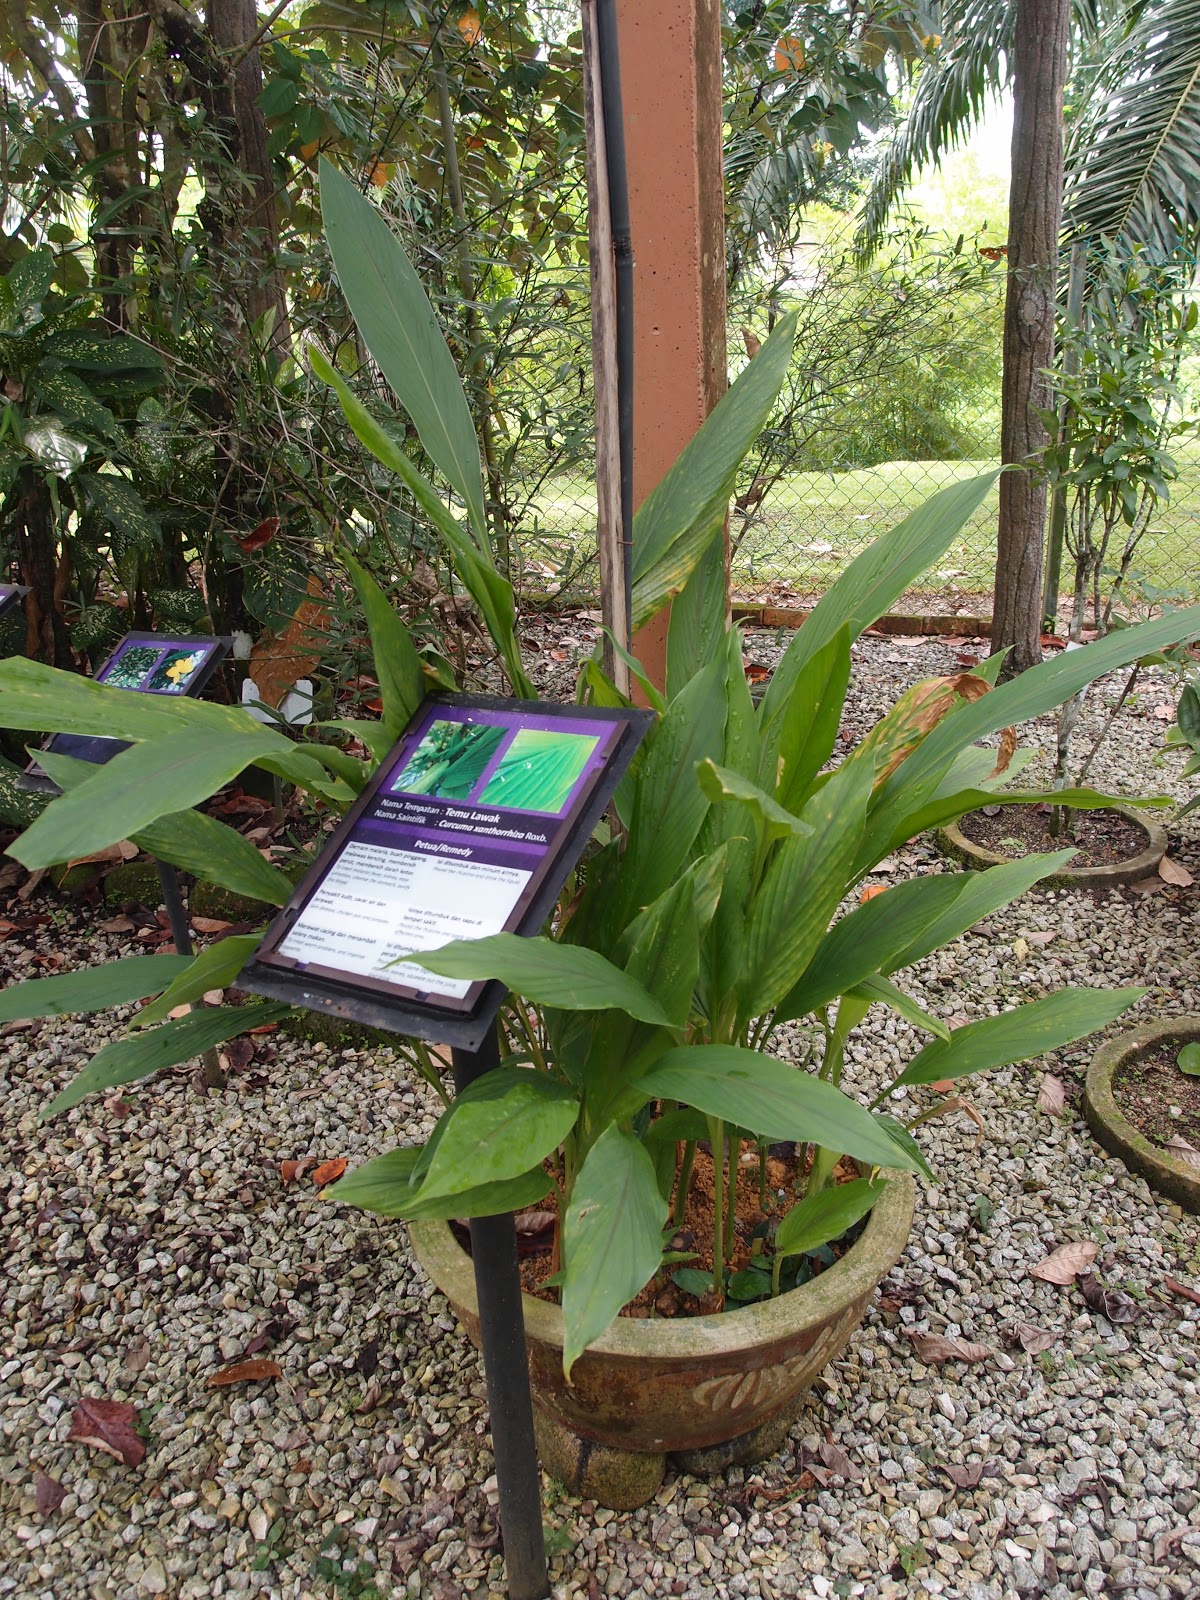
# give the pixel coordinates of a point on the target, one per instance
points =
(1146, 1091)
(1102, 838)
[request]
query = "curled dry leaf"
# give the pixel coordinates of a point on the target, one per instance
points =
(1171, 872)
(934, 1347)
(966, 1475)
(293, 1171)
(1065, 1264)
(1004, 755)
(1180, 1148)
(244, 1372)
(329, 1172)
(1052, 1096)
(137, 1356)
(1031, 1339)
(109, 1425)
(1038, 936)
(1167, 1543)
(835, 1459)
(211, 924)
(1173, 1286)
(50, 1494)
(1110, 1303)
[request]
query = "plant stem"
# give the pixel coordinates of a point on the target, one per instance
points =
(762, 1177)
(683, 1183)
(716, 1138)
(731, 1201)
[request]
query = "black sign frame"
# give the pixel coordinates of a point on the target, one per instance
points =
(367, 1001)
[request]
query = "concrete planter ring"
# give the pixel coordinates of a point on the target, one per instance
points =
(707, 1391)
(1162, 1171)
(955, 844)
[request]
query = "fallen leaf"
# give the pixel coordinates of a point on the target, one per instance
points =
(1167, 1543)
(260, 536)
(1110, 1303)
(1020, 947)
(835, 1459)
(1004, 755)
(1064, 1265)
(270, 1333)
(50, 1494)
(965, 1476)
(932, 1347)
(116, 925)
(1172, 1286)
(243, 1372)
(1164, 713)
(372, 1395)
(137, 1356)
(108, 1425)
(238, 1053)
(871, 891)
(279, 659)
(329, 1172)
(1147, 886)
(210, 924)
(1052, 1096)
(1038, 936)
(1171, 872)
(1031, 1339)
(1179, 1147)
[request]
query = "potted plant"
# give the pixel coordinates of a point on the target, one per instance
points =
(642, 1021)
(1120, 412)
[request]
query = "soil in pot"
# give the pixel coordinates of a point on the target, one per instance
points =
(749, 1262)
(1161, 1101)
(1101, 838)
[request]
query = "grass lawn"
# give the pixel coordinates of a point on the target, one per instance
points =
(813, 523)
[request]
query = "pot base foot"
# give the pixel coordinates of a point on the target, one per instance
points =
(622, 1480)
(756, 1445)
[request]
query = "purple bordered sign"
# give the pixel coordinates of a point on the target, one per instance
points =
(469, 827)
(11, 594)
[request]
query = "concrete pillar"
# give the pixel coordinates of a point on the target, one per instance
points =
(671, 85)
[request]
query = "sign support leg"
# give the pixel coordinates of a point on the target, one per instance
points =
(168, 878)
(502, 1334)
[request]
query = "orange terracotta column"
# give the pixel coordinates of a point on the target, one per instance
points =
(671, 87)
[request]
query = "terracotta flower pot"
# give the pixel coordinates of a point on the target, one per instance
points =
(710, 1390)
(956, 844)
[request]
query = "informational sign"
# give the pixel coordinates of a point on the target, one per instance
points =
(11, 594)
(149, 663)
(468, 828)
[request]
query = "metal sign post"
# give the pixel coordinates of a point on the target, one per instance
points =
(469, 827)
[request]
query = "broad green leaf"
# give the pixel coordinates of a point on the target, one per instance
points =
(570, 977)
(216, 967)
(1020, 1034)
(497, 1129)
(825, 1216)
(117, 983)
(897, 928)
(1028, 695)
(773, 1099)
(201, 845)
(34, 697)
(668, 804)
(1188, 1060)
(135, 788)
(696, 629)
(384, 1185)
(140, 1054)
(397, 664)
(907, 1145)
(373, 734)
(800, 739)
(67, 394)
(878, 990)
(612, 1238)
(721, 784)
(397, 323)
(490, 591)
(679, 519)
(874, 579)
(122, 507)
(802, 888)
(665, 952)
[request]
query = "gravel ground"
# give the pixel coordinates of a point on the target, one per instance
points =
(151, 1239)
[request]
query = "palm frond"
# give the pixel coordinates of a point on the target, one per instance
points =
(1133, 161)
(951, 95)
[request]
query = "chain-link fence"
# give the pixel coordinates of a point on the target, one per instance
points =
(894, 392)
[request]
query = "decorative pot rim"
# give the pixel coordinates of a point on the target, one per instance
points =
(764, 1322)
(1112, 1127)
(955, 842)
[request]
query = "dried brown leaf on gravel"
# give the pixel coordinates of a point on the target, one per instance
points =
(835, 1459)
(1110, 1303)
(50, 1494)
(1172, 872)
(329, 1171)
(1167, 1543)
(1173, 1286)
(1063, 1266)
(293, 1171)
(966, 1475)
(933, 1347)
(1031, 1339)
(211, 924)
(109, 1425)
(244, 1372)
(1038, 936)
(137, 1356)
(1052, 1095)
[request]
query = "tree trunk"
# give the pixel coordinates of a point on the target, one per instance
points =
(29, 515)
(1034, 219)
